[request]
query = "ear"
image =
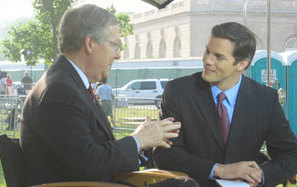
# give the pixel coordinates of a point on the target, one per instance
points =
(88, 44)
(242, 65)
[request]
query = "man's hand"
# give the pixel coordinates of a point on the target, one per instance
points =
(155, 134)
(247, 170)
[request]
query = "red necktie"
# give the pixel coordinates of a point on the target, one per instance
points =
(223, 115)
(91, 92)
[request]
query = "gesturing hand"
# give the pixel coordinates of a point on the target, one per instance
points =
(155, 134)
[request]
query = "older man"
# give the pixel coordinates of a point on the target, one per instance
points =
(65, 136)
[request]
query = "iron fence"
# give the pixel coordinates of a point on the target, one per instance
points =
(10, 110)
(128, 113)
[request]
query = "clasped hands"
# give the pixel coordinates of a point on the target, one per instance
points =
(153, 134)
(248, 171)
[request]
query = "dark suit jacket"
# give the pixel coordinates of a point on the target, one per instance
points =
(257, 117)
(66, 137)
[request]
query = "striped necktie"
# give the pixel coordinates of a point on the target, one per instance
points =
(223, 115)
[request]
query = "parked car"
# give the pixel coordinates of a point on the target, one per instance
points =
(143, 91)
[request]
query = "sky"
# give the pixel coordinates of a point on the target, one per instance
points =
(14, 9)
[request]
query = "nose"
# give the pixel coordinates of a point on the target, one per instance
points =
(117, 55)
(207, 60)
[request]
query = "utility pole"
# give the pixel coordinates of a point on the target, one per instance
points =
(245, 24)
(268, 43)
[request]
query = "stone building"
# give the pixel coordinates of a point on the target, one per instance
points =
(182, 29)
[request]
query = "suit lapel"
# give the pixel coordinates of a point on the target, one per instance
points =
(241, 113)
(208, 109)
(98, 113)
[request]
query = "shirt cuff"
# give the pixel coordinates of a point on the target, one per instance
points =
(137, 144)
(212, 171)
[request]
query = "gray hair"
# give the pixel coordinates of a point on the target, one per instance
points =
(87, 20)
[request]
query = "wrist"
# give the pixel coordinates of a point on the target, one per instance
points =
(138, 142)
(217, 171)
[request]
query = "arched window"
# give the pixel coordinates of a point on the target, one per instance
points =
(149, 50)
(177, 47)
(162, 49)
(291, 44)
(137, 51)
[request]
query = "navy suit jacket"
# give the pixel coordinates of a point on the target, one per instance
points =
(257, 117)
(66, 137)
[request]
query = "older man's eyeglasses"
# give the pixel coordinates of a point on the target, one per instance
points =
(115, 46)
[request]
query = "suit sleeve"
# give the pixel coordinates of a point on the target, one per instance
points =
(179, 158)
(282, 148)
(65, 130)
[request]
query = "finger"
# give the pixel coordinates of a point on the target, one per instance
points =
(256, 172)
(249, 179)
(164, 144)
(175, 131)
(168, 142)
(164, 122)
(170, 119)
(147, 121)
(256, 176)
(254, 165)
(170, 128)
(170, 135)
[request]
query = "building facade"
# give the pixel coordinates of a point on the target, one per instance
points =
(183, 28)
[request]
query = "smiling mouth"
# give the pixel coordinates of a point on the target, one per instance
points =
(208, 70)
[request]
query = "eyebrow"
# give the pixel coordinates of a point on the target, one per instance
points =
(218, 55)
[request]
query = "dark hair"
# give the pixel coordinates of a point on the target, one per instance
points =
(86, 20)
(243, 38)
(103, 80)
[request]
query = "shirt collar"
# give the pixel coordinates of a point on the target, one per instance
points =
(81, 74)
(231, 93)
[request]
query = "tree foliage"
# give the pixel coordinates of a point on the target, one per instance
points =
(126, 28)
(39, 36)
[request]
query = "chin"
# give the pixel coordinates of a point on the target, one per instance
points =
(207, 78)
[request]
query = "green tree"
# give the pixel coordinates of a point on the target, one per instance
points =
(38, 38)
(40, 35)
(26, 36)
(126, 28)
(49, 13)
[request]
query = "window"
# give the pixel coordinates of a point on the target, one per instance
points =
(291, 44)
(135, 86)
(150, 85)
